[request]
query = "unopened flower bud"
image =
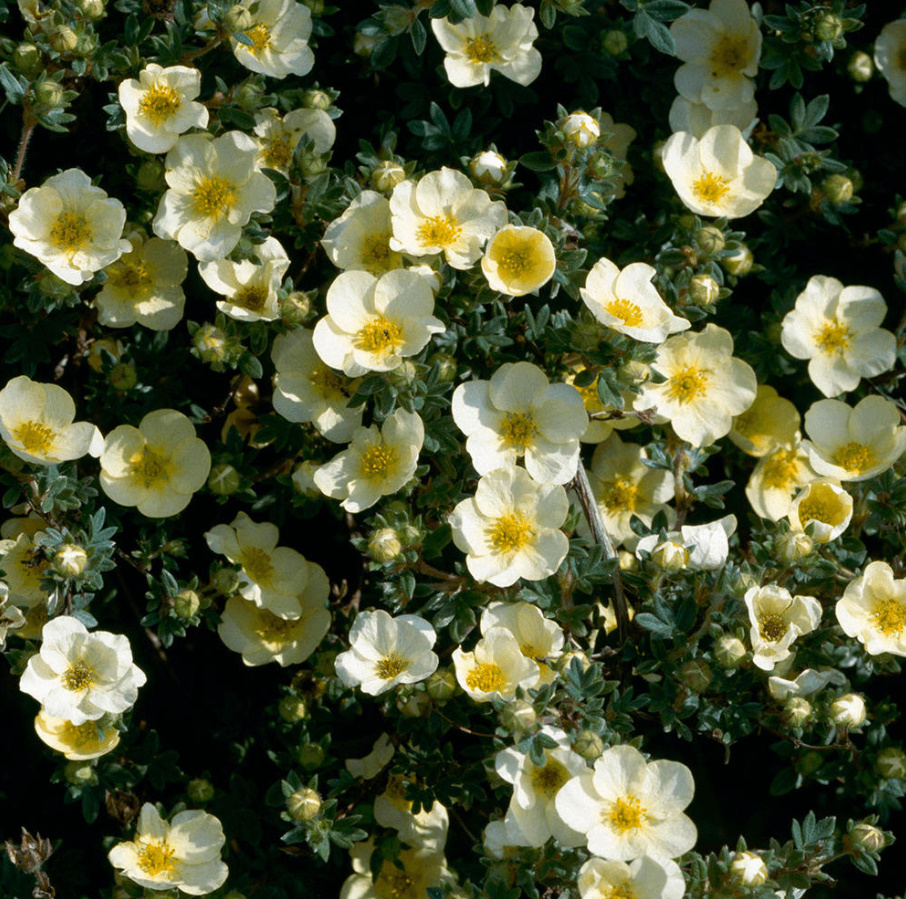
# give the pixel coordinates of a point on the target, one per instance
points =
(384, 545)
(397, 19)
(186, 604)
(861, 66)
(123, 377)
(311, 756)
(670, 555)
(797, 711)
(729, 651)
(150, 176)
(387, 175)
(225, 581)
(304, 804)
(589, 745)
(248, 96)
(311, 164)
(92, 9)
(703, 290)
(827, 26)
(838, 188)
(64, 39)
(901, 213)
(748, 869)
(580, 129)
(441, 685)
(740, 262)
(891, 762)
(446, 366)
(292, 709)
(627, 561)
(297, 308)
(489, 167)
(868, 837)
(848, 710)
(404, 374)
(27, 59)
(211, 343)
(70, 560)
(200, 789)
(696, 675)
(711, 239)
(614, 42)
(793, 545)
(48, 94)
(518, 716)
(414, 705)
(238, 19)
(363, 44)
(224, 480)
(80, 774)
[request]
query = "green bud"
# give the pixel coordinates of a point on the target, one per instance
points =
(848, 710)
(238, 18)
(384, 545)
(797, 711)
(404, 375)
(387, 175)
(580, 129)
(311, 756)
(729, 651)
(489, 167)
(441, 685)
(297, 308)
(224, 480)
(292, 709)
(446, 366)
(711, 239)
(748, 869)
(150, 176)
(695, 675)
(186, 603)
(49, 94)
(316, 99)
(838, 188)
(740, 263)
(861, 66)
(70, 560)
(867, 837)
(614, 42)
(794, 545)
(248, 97)
(92, 9)
(703, 290)
(827, 26)
(64, 39)
(211, 343)
(589, 745)
(123, 377)
(80, 774)
(225, 581)
(891, 762)
(670, 555)
(304, 804)
(363, 44)
(311, 164)
(200, 790)
(27, 59)
(518, 716)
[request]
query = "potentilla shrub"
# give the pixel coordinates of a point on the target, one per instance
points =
(452, 448)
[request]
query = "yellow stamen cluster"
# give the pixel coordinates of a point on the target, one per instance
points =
(438, 231)
(890, 617)
(550, 778)
(855, 457)
(329, 383)
(77, 677)
(512, 263)
(380, 336)
(833, 337)
(378, 461)
(485, 677)
(251, 297)
(131, 276)
(688, 384)
(391, 665)
(517, 430)
(772, 627)
(258, 565)
(781, 469)
(159, 103)
(156, 858)
(151, 467)
(260, 37)
(35, 437)
(375, 251)
(814, 508)
(621, 496)
(729, 55)
(214, 197)
(628, 313)
(70, 232)
(277, 153)
(510, 533)
(710, 188)
(395, 884)
(626, 814)
(271, 628)
(481, 49)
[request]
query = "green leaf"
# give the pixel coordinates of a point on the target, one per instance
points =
(657, 33)
(538, 161)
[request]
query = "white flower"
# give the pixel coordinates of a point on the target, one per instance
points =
(854, 444)
(823, 508)
(377, 463)
(518, 260)
(519, 412)
(703, 547)
(718, 175)
(77, 742)
(36, 423)
(11, 618)
(627, 301)
(890, 58)
(836, 329)
(278, 137)
(81, 676)
(22, 562)
(360, 238)
(215, 186)
(425, 830)
(720, 48)
(372, 324)
(183, 852)
(629, 808)
(156, 466)
(778, 618)
(409, 874)
(250, 288)
(776, 477)
(873, 609)
(648, 877)
(161, 105)
(804, 684)
(499, 42)
(443, 213)
(706, 386)
(305, 389)
(386, 651)
(371, 765)
(273, 577)
(510, 529)
(145, 286)
(770, 422)
(277, 39)
(74, 228)
(696, 118)
(495, 667)
(538, 637)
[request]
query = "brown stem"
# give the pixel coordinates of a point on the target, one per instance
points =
(28, 128)
(189, 55)
(582, 487)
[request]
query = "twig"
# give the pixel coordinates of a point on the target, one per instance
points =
(28, 128)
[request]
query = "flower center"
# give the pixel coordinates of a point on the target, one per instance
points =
(486, 677)
(151, 467)
(833, 337)
(159, 103)
(626, 814)
(481, 49)
(277, 153)
(82, 736)
(772, 627)
(827, 509)
(623, 891)
(131, 276)
(329, 384)
(395, 884)
(70, 232)
(510, 533)
(890, 617)
(626, 312)
(251, 298)
(550, 778)
(688, 384)
(260, 37)
(855, 457)
(378, 461)
(380, 336)
(35, 437)
(730, 54)
(257, 565)
(439, 231)
(514, 262)
(517, 430)
(156, 858)
(376, 251)
(214, 197)
(781, 469)
(77, 677)
(273, 629)
(710, 188)
(390, 666)
(622, 496)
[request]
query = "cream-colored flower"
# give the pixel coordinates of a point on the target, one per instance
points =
(377, 463)
(11, 619)
(776, 477)
(629, 808)
(156, 466)
(518, 260)
(519, 412)
(777, 619)
(770, 422)
(836, 329)
(70, 225)
(277, 41)
(623, 487)
(823, 508)
(371, 765)
(873, 609)
(386, 651)
(360, 238)
(426, 830)
(214, 187)
(495, 667)
(854, 444)
(160, 105)
(647, 877)
(538, 637)
(279, 136)
(510, 529)
(250, 288)
(276, 578)
(500, 42)
(183, 852)
(36, 423)
(24, 566)
(444, 213)
(262, 637)
(81, 676)
(720, 48)
(706, 385)
(627, 301)
(890, 58)
(305, 389)
(144, 285)
(804, 684)
(408, 875)
(77, 742)
(372, 324)
(718, 175)
(696, 118)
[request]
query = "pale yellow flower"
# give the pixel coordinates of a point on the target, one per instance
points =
(823, 508)
(770, 422)
(77, 742)
(873, 609)
(518, 260)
